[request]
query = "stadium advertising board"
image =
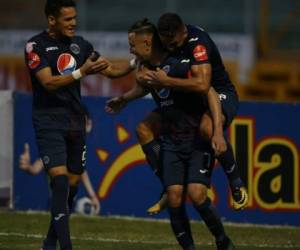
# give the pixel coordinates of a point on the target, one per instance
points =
(264, 136)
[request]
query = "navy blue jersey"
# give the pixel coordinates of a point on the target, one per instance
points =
(181, 110)
(61, 108)
(199, 48)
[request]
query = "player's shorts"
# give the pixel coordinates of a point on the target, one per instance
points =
(230, 104)
(184, 167)
(62, 148)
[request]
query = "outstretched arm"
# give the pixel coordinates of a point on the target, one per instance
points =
(116, 104)
(119, 69)
(25, 164)
(217, 141)
(90, 190)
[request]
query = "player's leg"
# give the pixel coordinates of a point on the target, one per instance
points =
(147, 133)
(202, 162)
(76, 161)
(59, 206)
(227, 159)
(52, 148)
(173, 175)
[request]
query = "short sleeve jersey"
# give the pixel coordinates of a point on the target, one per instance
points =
(181, 110)
(198, 49)
(61, 108)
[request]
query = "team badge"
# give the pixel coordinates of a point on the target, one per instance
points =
(66, 64)
(200, 53)
(33, 60)
(75, 48)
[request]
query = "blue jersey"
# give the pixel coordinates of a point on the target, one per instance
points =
(198, 49)
(181, 110)
(61, 108)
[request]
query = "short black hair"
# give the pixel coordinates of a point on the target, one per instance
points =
(169, 24)
(52, 7)
(143, 26)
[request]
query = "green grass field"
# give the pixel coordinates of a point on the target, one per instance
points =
(24, 231)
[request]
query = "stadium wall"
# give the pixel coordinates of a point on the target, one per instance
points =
(264, 136)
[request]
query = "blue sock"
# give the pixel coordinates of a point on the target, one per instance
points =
(60, 210)
(230, 167)
(181, 228)
(72, 193)
(211, 218)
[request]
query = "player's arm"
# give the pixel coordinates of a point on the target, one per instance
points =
(119, 69)
(199, 81)
(217, 140)
(90, 190)
(53, 82)
(116, 104)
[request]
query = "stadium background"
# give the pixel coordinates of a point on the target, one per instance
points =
(259, 41)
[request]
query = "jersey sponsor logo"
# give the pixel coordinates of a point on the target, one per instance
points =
(51, 48)
(200, 53)
(193, 39)
(29, 46)
(66, 64)
(75, 48)
(33, 60)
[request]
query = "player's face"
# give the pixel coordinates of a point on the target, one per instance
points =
(140, 45)
(174, 43)
(65, 24)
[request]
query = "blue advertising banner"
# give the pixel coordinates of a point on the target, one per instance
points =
(264, 137)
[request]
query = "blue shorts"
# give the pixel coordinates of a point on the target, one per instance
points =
(62, 148)
(182, 167)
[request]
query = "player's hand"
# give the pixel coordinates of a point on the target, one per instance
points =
(218, 144)
(95, 204)
(93, 67)
(24, 159)
(159, 77)
(115, 105)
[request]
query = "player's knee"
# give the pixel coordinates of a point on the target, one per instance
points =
(74, 180)
(144, 132)
(197, 193)
(174, 197)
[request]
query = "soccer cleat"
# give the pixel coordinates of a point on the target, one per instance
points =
(225, 244)
(240, 198)
(159, 206)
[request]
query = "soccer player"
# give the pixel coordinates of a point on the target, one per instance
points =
(37, 166)
(192, 44)
(57, 59)
(186, 162)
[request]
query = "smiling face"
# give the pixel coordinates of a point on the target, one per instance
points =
(64, 24)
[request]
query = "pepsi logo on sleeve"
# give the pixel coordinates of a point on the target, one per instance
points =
(66, 64)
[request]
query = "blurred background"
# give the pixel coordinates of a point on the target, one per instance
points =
(259, 40)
